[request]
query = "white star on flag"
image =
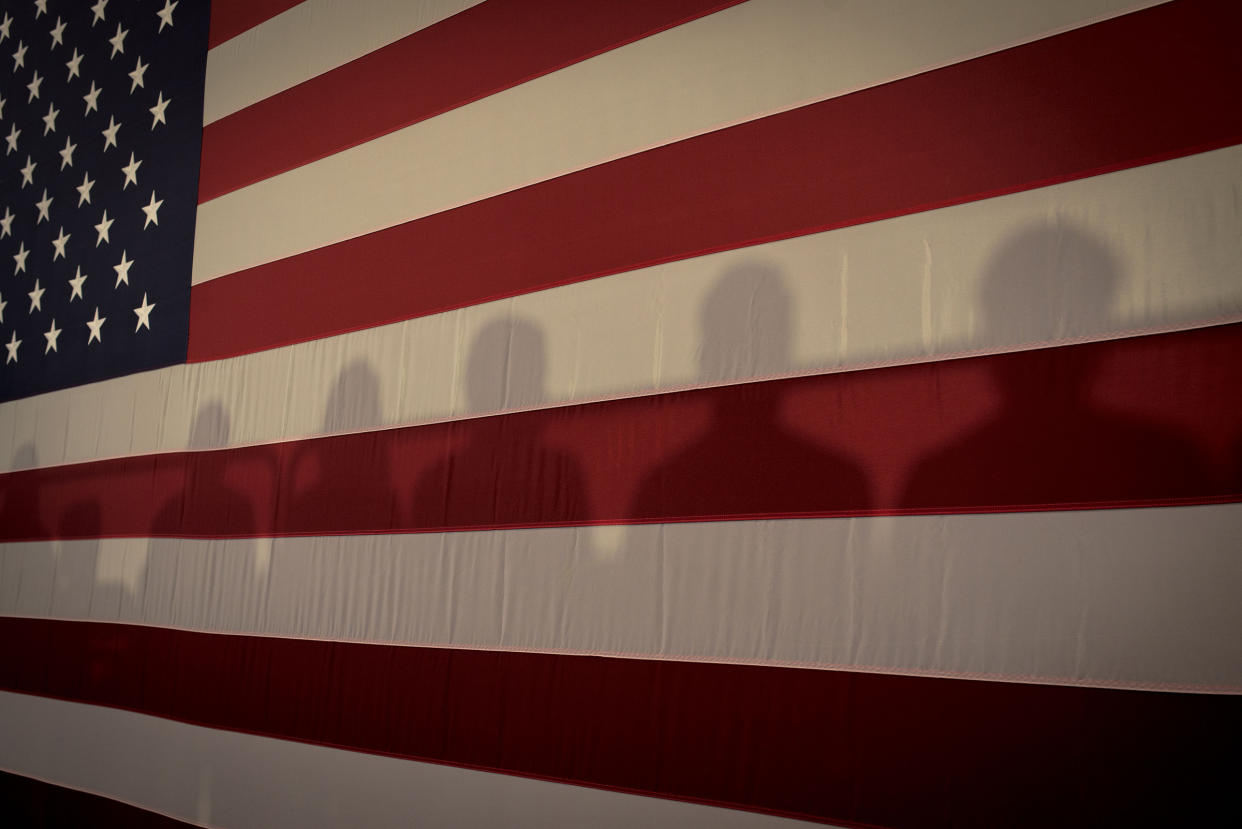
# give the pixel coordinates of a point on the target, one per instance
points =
(2, 304)
(74, 65)
(6, 223)
(105, 224)
(49, 120)
(19, 57)
(43, 205)
(66, 155)
(92, 98)
(11, 138)
(12, 345)
(152, 211)
(84, 189)
(122, 270)
(110, 133)
(59, 244)
(51, 335)
(58, 33)
(28, 172)
(20, 258)
(75, 285)
(118, 41)
(131, 172)
(36, 298)
(144, 313)
(4, 27)
(140, 69)
(157, 111)
(95, 325)
(165, 14)
(40, 8)
(33, 86)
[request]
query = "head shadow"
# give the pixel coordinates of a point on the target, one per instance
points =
(501, 469)
(201, 557)
(748, 461)
(1049, 441)
(21, 514)
(354, 401)
(343, 481)
(505, 367)
(1048, 284)
(207, 503)
(210, 427)
(746, 325)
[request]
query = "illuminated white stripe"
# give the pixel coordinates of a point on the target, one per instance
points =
(746, 61)
(1044, 597)
(311, 38)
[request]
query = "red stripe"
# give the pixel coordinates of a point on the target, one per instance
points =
(1075, 105)
(887, 750)
(229, 18)
(30, 803)
(1141, 421)
(387, 89)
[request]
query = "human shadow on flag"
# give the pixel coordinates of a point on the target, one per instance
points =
(343, 482)
(751, 460)
(21, 513)
(194, 578)
(26, 566)
(501, 470)
(1057, 430)
(90, 585)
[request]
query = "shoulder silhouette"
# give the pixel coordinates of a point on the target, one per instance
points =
(749, 462)
(502, 469)
(1049, 442)
(343, 482)
(181, 583)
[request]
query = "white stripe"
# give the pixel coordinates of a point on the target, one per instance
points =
(313, 37)
(907, 289)
(1140, 598)
(750, 60)
(223, 778)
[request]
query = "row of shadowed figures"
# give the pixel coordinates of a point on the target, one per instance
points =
(747, 461)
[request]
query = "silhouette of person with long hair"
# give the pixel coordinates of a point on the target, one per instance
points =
(501, 470)
(749, 462)
(344, 482)
(1050, 443)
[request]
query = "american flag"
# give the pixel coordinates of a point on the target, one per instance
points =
(669, 412)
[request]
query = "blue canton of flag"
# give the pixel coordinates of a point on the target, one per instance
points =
(100, 130)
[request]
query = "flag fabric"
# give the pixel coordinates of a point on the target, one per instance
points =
(670, 412)
(101, 191)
